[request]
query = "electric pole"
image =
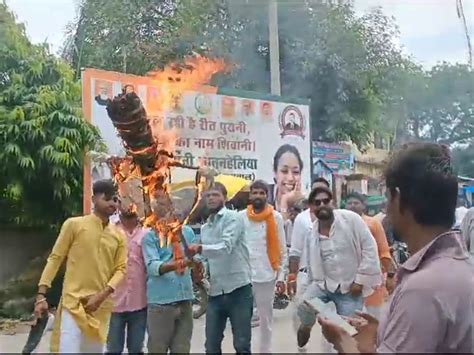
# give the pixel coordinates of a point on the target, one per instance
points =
(274, 48)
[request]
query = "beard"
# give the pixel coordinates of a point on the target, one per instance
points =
(324, 213)
(258, 203)
(215, 209)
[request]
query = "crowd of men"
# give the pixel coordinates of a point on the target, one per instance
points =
(121, 282)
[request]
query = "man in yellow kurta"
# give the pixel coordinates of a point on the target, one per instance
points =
(96, 256)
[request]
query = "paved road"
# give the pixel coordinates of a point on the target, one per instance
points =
(284, 338)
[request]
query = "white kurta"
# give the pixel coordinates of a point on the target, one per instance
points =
(256, 237)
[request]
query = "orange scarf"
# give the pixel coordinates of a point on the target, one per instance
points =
(273, 243)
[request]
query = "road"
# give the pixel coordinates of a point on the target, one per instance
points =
(284, 338)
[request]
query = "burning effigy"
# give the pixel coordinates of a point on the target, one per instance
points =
(149, 149)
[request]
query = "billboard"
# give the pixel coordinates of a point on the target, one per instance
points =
(338, 157)
(237, 133)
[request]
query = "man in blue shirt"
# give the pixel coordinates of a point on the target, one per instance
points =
(169, 293)
(230, 297)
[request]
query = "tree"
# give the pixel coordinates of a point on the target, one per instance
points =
(134, 36)
(42, 135)
(442, 110)
(328, 54)
(335, 59)
(463, 161)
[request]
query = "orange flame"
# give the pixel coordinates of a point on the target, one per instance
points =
(175, 79)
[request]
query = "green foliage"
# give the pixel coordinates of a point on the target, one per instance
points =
(134, 36)
(361, 86)
(443, 109)
(42, 134)
(327, 53)
(463, 161)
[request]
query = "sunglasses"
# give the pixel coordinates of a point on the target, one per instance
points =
(324, 201)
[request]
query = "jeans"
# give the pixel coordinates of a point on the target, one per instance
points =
(170, 327)
(346, 304)
(236, 306)
(135, 324)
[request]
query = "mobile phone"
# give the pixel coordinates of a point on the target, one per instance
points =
(322, 309)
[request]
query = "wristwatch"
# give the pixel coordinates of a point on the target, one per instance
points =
(390, 275)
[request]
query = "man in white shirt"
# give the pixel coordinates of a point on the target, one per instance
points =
(343, 263)
(265, 236)
(302, 228)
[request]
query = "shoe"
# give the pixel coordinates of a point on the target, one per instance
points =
(303, 335)
(302, 350)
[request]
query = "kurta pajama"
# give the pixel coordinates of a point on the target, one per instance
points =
(96, 258)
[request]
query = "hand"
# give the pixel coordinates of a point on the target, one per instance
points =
(93, 302)
(280, 287)
(390, 285)
(41, 307)
(291, 285)
(291, 196)
(195, 249)
(366, 337)
(338, 337)
(356, 289)
(197, 272)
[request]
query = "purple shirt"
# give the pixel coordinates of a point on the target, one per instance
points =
(432, 307)
(130, 295)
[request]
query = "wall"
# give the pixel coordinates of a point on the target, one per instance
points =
(371, 162)
(18, 247)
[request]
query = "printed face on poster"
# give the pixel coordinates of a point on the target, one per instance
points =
(240, 136)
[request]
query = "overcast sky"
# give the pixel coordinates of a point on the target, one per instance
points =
(430, 29)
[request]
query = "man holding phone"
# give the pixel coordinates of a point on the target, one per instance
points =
(432, 307)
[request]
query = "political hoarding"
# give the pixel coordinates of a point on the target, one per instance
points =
(238, 133)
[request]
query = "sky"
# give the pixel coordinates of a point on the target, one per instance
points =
(430, 30)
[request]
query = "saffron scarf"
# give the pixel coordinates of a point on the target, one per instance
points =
(273, 243)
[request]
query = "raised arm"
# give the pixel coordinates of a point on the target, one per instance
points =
(232, 232)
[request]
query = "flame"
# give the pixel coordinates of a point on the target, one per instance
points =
(172, 82)
(175, 79)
